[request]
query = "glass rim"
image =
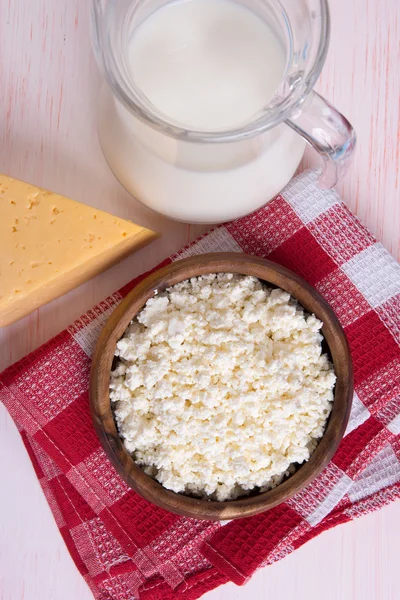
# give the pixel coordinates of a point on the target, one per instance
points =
(282, 111)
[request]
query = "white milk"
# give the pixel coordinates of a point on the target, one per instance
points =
(205, 65)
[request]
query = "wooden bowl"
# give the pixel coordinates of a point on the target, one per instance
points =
(115, 327)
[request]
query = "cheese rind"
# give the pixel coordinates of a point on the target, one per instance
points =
(50, 244)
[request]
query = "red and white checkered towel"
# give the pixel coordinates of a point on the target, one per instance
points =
(128, 549)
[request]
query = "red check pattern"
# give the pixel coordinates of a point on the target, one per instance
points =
(126, 548)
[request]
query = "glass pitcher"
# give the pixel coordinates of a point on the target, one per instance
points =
(215, 176)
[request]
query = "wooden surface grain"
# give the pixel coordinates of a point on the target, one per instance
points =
(48, 90)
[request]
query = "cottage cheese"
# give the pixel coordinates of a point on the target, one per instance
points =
(221, 386)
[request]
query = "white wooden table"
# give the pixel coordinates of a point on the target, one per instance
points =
(48, 90)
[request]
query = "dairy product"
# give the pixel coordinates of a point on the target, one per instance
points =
(208, 66)
(221, 386)
(50, 244)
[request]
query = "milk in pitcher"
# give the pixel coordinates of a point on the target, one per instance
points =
(205, 66)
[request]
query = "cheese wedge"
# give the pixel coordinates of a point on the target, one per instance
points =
(50, 244)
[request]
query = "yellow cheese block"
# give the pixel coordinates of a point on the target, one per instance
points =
(50, 244)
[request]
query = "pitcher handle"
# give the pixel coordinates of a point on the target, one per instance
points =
(329, 132)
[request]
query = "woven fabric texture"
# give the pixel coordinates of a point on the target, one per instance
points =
(128, 549)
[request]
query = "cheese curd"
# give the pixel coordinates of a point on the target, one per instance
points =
(221, 386)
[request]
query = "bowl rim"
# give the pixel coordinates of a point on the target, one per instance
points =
(156, 282)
